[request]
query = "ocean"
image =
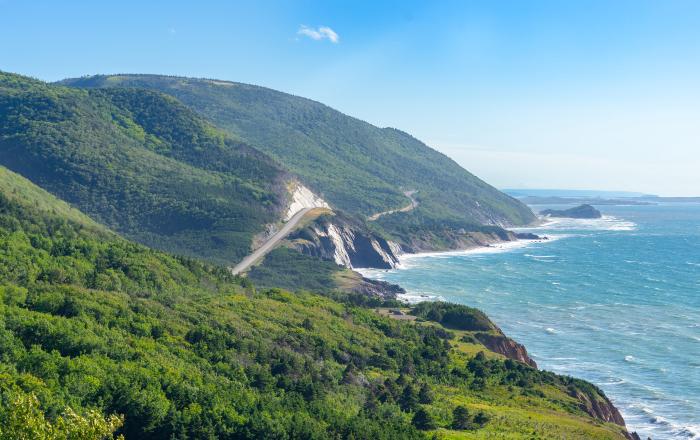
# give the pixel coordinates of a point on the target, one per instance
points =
(615, 301)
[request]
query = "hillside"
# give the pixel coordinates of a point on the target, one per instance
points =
(357, 167)
(100, 332)
(142, 164)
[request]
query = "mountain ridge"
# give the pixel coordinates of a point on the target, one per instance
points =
(357, 167)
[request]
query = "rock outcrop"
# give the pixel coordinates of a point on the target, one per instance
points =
(377, 289)
(597, 405)
(581, 211)
(446, 239)
(529, 236)
(301, 197)
(507, 347)
(337, 238)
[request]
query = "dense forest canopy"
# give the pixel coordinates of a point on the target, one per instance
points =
(141, 163)
(102, 332)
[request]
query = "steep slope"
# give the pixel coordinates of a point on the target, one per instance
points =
(357, 167)
(143, 164)
(181, 349)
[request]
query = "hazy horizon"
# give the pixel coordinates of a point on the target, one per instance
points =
(592, 95)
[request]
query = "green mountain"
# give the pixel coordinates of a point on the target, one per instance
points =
(141, 163)
(99, 335)
(359, 168)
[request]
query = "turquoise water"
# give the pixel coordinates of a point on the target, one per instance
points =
(615, 301)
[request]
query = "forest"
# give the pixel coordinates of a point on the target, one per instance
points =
(99, 331)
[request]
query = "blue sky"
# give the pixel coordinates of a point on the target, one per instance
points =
(539, 94)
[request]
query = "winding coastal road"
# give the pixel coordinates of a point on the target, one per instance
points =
(288, 227)
(270, 243)
(411, 206)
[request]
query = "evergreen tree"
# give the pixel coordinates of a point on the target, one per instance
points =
(423, 420)
(409, 398)
(461, 418)
(425, 395)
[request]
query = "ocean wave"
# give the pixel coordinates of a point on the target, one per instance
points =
(405, 260)
(645, 419)
(679, 431)
(615, 381)
(416, 297)
(542, 258)
(605, 223)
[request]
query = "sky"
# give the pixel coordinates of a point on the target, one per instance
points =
(525, 94)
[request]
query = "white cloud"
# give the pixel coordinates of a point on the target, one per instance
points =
(322, 33)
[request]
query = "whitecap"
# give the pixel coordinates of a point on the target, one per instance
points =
(550, 330)
(493, 248)
(605, 223)
(630, 358)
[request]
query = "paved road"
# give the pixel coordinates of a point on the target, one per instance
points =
(411, 206)
(270, 243)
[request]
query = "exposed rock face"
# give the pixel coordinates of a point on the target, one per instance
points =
(352, 246)
(456, 239)
(528, 236)
(632, 436)
(377, 289)
(302, 197)
(506, 346)
(581, 211)
(599, 407)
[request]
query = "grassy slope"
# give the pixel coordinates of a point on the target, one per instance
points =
(141, 163)
(183, 350)
(358, 167)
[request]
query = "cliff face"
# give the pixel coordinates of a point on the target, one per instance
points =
(455, 239)
(507, 347)
(350, 245)
(598, 406)
(376, 289)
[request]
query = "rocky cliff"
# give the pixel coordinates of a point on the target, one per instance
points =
(351, 244)
(339, 239)
(598, 406)
(506, 346)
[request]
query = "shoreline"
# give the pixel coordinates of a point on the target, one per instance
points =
(552, 230)
(610, 412)
(496, 247)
